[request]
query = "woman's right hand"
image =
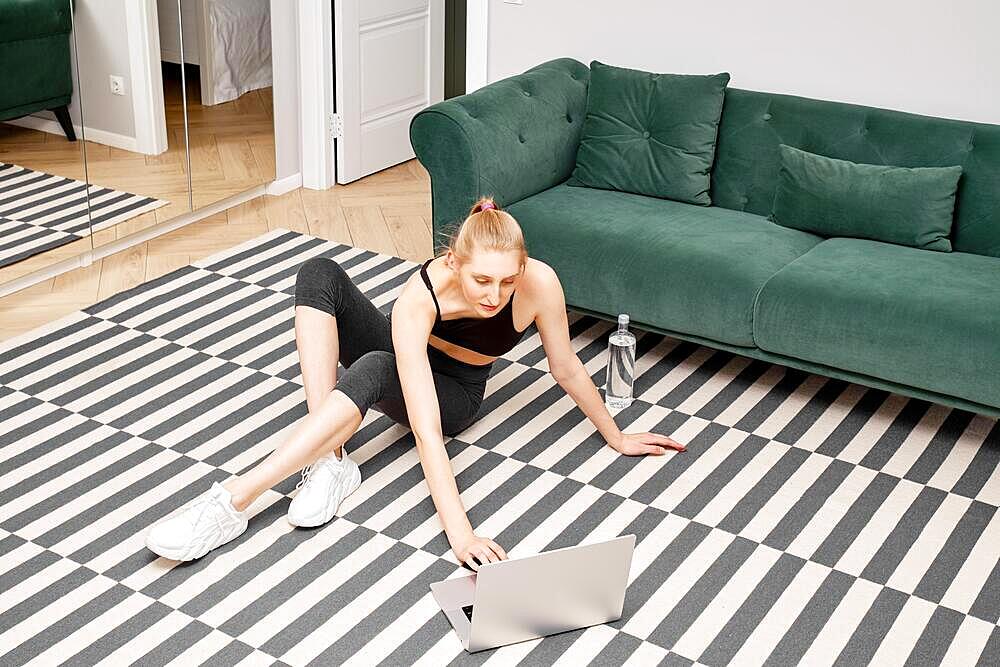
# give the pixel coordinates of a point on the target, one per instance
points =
(470, 547)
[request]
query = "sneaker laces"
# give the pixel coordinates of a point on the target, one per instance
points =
(307, 472)
(201, 505)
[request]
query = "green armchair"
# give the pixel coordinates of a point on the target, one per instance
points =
(35, 66)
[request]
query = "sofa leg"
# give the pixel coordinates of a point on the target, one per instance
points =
(62, 115)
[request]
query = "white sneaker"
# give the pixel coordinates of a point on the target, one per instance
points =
(206, 522)
(325, 483)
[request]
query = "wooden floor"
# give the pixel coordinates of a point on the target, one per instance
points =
(388, 212)
(232, 150)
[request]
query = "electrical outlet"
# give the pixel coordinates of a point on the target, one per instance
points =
(117, 85)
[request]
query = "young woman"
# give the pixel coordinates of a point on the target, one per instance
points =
(425, 365)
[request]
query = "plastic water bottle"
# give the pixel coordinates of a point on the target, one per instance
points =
(621, 366)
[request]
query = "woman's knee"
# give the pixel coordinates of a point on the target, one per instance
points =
(318, 284)
(453, 430)
(455, 424)
(378, 363)
(371, 378)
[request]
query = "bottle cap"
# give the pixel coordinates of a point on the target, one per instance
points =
(623, 320)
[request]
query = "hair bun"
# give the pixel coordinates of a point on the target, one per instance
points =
(484, 205)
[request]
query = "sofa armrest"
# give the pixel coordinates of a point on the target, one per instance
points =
(510, 139)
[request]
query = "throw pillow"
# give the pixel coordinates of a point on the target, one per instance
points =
(910, 206)
(650, 134)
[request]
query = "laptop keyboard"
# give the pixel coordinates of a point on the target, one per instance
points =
(468, 612)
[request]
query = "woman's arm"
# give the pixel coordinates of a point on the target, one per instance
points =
(411, 327)
(572, 375)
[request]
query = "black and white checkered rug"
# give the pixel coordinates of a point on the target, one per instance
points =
(39, 211)
(811, 521)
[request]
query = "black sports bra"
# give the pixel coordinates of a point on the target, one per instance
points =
(493, 336)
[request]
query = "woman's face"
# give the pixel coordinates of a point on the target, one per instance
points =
(488, 278)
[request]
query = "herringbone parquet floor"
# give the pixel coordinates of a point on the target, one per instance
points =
(387, 212)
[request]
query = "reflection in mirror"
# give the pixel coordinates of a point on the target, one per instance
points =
(135, 148)
(227, 51)
(43, 188)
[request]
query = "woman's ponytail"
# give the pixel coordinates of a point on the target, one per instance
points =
(487, 227)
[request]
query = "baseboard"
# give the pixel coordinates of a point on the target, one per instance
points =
(98, 136)
(282, 185)
(88, 257)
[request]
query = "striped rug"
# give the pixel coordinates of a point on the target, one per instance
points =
(40, 211)
(811, 521)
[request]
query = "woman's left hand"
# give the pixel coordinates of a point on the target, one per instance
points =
(635, 444)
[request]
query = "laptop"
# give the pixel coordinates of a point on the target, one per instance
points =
(518, 599)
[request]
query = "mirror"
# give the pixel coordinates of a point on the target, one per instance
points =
(43, 179)
(135, 146)
(227, 51)
(178, 115)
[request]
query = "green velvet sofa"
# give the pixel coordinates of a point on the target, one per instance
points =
(922, 323)
(36, 71)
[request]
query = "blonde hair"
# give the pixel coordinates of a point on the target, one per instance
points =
(488, 228)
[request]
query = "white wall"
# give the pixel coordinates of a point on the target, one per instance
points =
(99, 27)
(922, 56)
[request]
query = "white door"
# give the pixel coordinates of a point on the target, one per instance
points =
(389, 62)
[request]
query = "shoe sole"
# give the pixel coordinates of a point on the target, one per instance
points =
(355, 484)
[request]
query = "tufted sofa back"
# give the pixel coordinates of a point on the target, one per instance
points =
(518, 136)
(744, 175)
(28, 19)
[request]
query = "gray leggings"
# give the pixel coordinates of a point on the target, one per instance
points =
(365, 340)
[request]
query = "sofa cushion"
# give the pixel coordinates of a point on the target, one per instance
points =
(830, 197)
(925, 319)
(650, 134)
(685, 268)
(754, 124)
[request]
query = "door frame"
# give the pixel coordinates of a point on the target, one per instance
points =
(316, 100)
(477, 24)
(206, 66)
(143, 35)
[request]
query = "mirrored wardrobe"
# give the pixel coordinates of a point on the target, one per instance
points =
(118, 115)
(44, 216)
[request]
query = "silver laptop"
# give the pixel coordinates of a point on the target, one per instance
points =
(518, 599)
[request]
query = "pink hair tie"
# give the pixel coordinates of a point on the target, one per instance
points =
(487, 205)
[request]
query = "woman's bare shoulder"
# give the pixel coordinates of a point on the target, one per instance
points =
(539, 277)
(540, 287)
(414, 297)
